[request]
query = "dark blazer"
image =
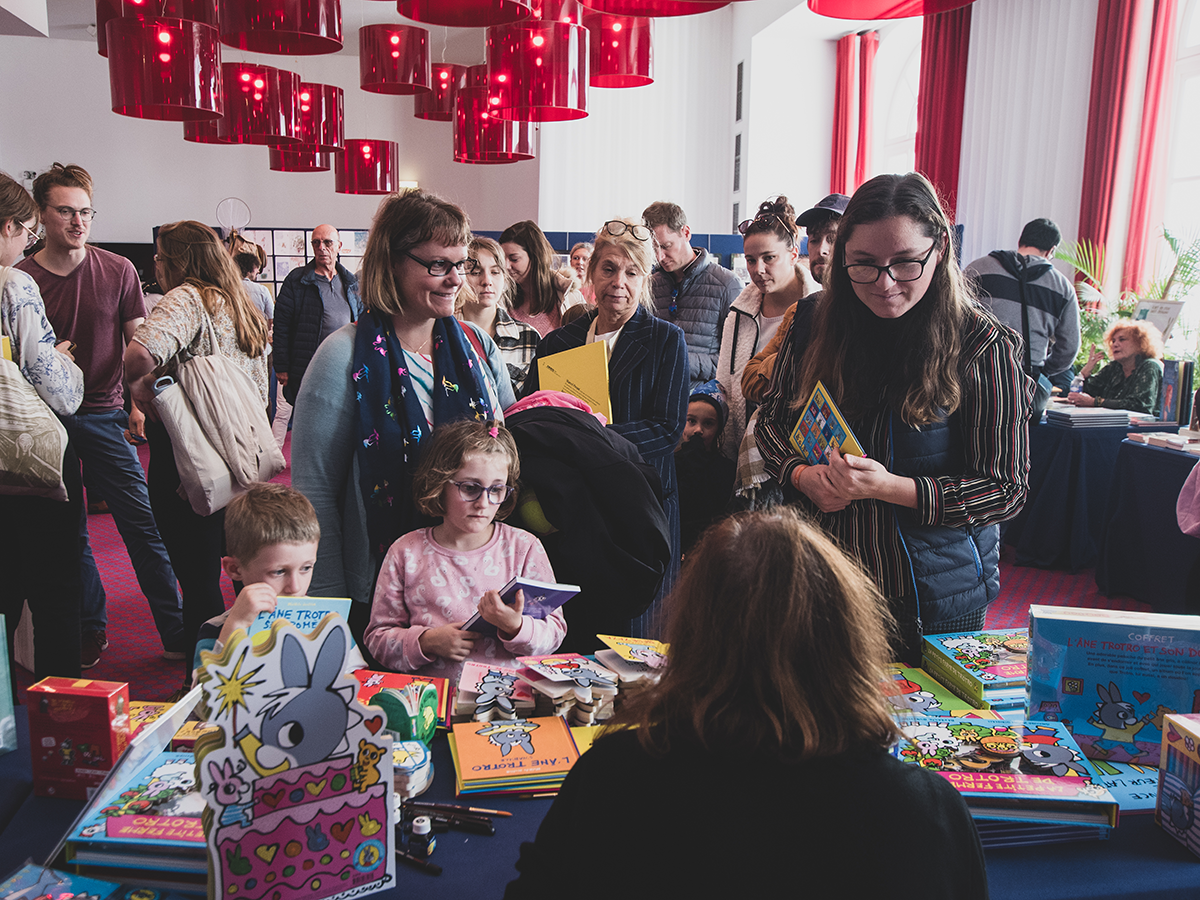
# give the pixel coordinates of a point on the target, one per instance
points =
(298, 313)
(648, 387)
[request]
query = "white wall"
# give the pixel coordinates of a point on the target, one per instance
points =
(146, 174)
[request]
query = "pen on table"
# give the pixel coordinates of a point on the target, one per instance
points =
(423, 864)
(453, 807)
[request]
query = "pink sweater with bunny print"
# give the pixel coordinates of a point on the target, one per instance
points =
(423, 585)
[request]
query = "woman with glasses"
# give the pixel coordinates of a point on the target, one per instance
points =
(647, 367)
(771, 242)
(543, 293)
(376, 389)
(39, 537)
(932, 387)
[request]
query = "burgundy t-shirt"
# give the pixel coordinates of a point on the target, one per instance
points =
(90, 307)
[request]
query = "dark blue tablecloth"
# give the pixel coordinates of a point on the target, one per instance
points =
(1144, 555)
(1070, 474)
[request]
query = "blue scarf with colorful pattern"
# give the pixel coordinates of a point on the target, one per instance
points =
(392, 430)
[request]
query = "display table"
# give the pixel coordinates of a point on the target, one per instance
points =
(1070, 474)
(1144, 555)
(1138, 861)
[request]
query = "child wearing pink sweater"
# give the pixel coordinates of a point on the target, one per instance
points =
(434, 579)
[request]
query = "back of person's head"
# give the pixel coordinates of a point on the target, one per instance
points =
(664, 212)
(267, 514)
(775, 217)
(402, 222)
(451, 445)
(779, 644)
(59, 175)
(192, 252)
(15, 203)
(635, 243)
(1040, 233)
(537, 294)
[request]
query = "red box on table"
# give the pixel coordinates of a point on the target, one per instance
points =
(78, 727)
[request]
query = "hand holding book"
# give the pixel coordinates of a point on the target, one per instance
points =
(863, 478)
(507, 619)
(448, 642)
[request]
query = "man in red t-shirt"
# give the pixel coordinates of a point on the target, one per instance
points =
(94, 298)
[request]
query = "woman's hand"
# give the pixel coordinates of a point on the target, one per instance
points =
(1095, 356)
(448, 641)
(1081, 399)
(813, 481)
(506, 618)
(65, 347)
(862, 478)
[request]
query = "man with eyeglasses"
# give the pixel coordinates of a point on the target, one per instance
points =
(690, 288)
(94, 298)
(313, 303)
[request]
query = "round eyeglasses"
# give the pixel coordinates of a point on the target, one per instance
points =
(67, 213)
(439, 267)
(616, 228)
(900, 271)
(473, 490)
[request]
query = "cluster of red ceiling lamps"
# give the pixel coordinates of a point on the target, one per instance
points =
(164, 61)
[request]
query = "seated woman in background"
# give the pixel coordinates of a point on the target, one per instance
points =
(764, 748)
(580, 254)
(543, 293)
(1134, 377)
(484, 301)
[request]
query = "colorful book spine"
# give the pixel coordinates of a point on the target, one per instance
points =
(1179, 781)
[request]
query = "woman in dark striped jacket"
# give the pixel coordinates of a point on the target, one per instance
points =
(931, 384)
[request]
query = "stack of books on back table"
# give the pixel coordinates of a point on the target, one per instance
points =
(1086, 417)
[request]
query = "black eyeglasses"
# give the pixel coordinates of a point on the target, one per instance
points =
(766, 217)
(439, 267)
(473, 490)
(899, 271)
(616, 228)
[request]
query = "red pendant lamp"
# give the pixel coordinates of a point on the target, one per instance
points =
(538, 71)
(203, 131)
(394, 59)
(303, 160)
(196, 10)
(481, 138)
(621, 50)
(661, 9)
(162, 68)
(322, 117)
(438, 104)
(464, 13)
(260, 105)
(367, 167)
(882, 9)
(288, 27)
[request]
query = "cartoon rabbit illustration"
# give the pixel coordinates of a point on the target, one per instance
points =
(232, 793)
(1118, 722)
(495, 689)
(507, 735)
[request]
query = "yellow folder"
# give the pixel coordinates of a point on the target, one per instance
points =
(581, 372)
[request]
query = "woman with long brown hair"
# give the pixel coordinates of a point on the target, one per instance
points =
(205, 296)
(932, 386)
(543, 293)
(763, 750)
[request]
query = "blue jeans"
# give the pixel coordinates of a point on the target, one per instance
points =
(112, 469)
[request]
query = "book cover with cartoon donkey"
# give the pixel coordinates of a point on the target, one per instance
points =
(298, 778)
(1111, 676)
(515, 756)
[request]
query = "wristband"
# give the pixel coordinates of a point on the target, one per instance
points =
(796, 472)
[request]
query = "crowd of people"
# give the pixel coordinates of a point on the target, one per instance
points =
(413, 387)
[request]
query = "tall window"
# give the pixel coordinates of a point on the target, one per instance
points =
(1181, 213)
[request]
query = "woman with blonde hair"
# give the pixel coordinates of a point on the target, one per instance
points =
(205, 298)
(764, 747)
(1133, 380)
(647, 362)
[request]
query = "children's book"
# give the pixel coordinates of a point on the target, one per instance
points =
(1031, 771)
(581, 372)
(518, 756)
(638, 650)
(1112, 675)
(985, 668)
(142, 713)
(629, 673)
(820, 425)
(373, 684)
(305, 613)
(570, 669)
(1134, 786)
(541, 599)
(1179, 781)
(486, 692)
(914, 692)
(32, 882)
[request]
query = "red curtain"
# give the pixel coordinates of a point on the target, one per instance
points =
(1151, 158)
(945, 39)
(843, 106)
(866, 95)
(1116, 38)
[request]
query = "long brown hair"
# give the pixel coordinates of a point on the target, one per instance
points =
(195, 255)
(779, 642)
(921, 379)
(538, 294)
(15, 203)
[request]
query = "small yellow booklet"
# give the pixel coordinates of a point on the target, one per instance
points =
(5, 347)
(820, 425)
(581, 372)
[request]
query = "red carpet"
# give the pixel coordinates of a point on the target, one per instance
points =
(134, 650)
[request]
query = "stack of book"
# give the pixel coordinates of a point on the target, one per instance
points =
(489, 692)
(985, 668)
(413, 711)
(570, 685)
(914, 692)
(1086, 417)
(524, 756)
(412, 768)
(32, 882)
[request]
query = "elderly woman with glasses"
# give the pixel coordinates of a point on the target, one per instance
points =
(377, 388)
(647, 363)
(932, 387)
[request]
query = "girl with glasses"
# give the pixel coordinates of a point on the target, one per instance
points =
(434, 579)
(931, 384)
